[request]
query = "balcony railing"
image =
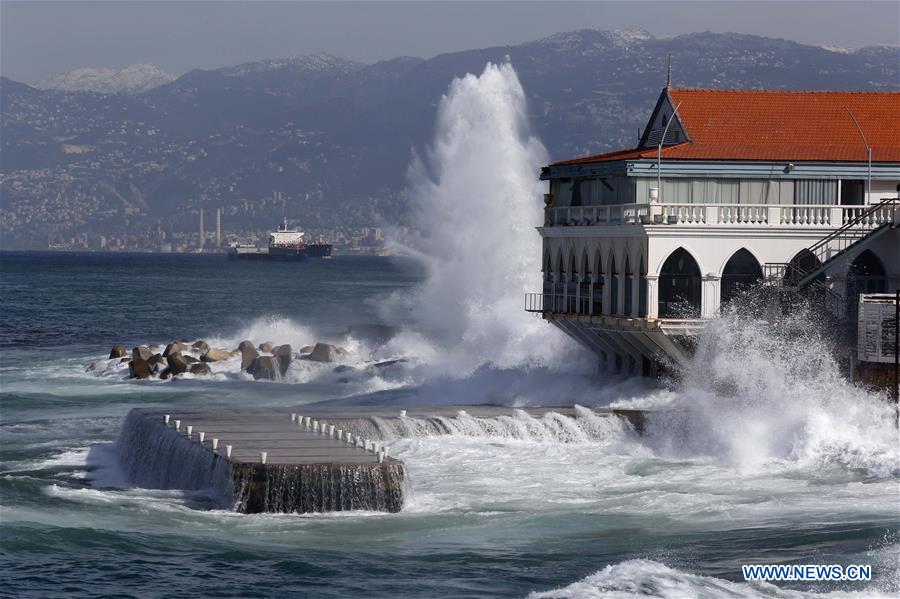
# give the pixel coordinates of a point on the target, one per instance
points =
(559, 303)
(570, 306)
(759, 215)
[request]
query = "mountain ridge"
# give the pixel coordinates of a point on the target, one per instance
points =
(334, 136)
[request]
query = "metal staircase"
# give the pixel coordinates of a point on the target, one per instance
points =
(805, 272)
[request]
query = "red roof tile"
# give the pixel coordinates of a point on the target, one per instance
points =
(778, 125)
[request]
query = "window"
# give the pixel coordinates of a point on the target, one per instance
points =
(853, 193)
(815, 191)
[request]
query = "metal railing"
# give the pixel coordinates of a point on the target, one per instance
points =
(859, 226)
(617, 214)
(862, 225)
(561, 303)
(864, 222)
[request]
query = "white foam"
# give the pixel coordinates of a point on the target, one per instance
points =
(760, 396)
(641, 578)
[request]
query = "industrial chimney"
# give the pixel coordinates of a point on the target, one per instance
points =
(202, 233)
(218, 227)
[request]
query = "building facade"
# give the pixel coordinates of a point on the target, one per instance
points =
(725, 190)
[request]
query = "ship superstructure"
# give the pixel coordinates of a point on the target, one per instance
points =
(285, 243)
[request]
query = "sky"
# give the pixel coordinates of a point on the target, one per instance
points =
(41, 38)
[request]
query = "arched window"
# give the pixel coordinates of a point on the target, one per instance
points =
(548, 267)
(613, 274)
(548, 282)
(804, 263)
(866, 275)
(598, 283)
(584, 292)
(642, 290)
(679, 286)
(571, 285)
(559, 285)
(629, 288)
(742, 271)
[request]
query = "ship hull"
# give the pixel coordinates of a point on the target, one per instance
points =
(319, 250)
(282, 254)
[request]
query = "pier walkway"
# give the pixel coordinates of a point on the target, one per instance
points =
(320, 458)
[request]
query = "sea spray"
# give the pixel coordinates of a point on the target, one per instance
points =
(475, 200)
(759, 393)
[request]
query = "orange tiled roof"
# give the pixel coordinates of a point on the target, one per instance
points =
(778, 125)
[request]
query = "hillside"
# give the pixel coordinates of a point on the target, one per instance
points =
(334, 136)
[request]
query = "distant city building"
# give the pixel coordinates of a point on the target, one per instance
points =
(725, 189)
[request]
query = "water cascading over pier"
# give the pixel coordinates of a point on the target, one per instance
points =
(325, 461)
(255, 463)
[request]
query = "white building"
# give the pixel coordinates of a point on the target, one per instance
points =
(794, 188)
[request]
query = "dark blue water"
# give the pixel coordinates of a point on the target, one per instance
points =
(487, 516)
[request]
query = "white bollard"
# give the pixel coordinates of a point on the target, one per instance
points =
(202, 435)
(166, 418)
(299, 419)
(308, 421)
(384, 450)
(262, 456)
(340, 434)
(228, 451)
(349, 438)
(215, 444)
(323, 426)
(178, 425)
(190, 428)
(315, 426)
(330, 430)
(402, 413)
(380, 457)
(293, 416)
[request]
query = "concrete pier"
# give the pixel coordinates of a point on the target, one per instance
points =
(291, 459)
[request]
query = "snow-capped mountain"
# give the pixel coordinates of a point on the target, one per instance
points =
(310, 63)
(335, 134)
(132, 79)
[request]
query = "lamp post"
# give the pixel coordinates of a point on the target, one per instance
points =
(662, 140)
(869, 151)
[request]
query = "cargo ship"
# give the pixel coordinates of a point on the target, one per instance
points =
(284, 244)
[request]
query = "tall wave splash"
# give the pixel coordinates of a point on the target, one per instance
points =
(475, 201)
(761, 394)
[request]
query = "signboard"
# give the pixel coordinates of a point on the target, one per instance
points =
(877, 322)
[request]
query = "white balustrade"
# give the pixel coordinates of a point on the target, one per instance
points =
(758, 215)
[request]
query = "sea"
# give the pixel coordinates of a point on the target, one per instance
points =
(591, 512)
(760, 452)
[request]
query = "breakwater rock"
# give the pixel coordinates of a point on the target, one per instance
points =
(266, 361)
